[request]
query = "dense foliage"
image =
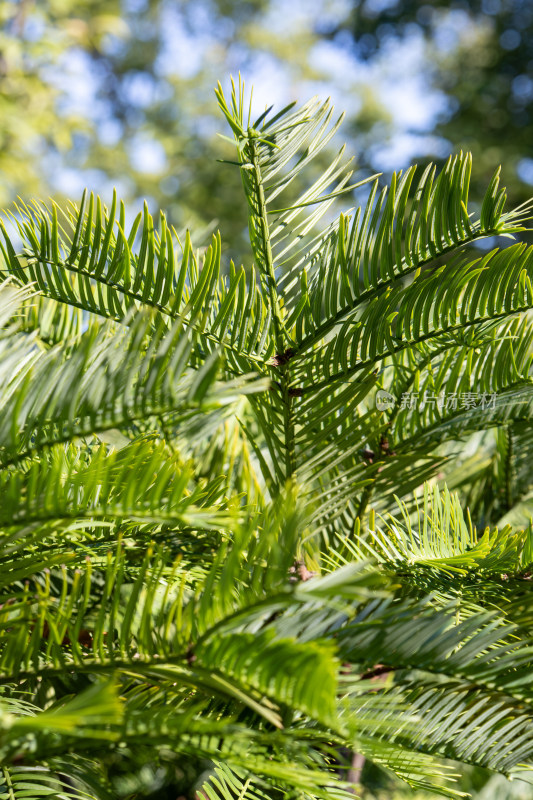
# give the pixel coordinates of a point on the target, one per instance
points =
(204, 591)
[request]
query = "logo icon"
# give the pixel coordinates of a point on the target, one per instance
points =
(384, 400)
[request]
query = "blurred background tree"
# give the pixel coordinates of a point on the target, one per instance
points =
(103, 92)
(480, 55)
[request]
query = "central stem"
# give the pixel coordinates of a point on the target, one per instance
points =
(260, 240)
(288, 420)
(508, 466)
(263, 249)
